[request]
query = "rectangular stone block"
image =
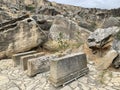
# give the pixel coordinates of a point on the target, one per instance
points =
(24, 59)
(39, 65)
(16, 57)
(67, 68)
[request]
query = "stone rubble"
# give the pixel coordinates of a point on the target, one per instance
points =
(13, 78)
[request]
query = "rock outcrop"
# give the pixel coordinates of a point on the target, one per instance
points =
(101, 44)
(19, 36)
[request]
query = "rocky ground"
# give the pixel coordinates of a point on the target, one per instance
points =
(15, 79)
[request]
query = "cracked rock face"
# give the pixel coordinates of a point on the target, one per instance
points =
(101, 37)
(22, 37)
(69, 30)
(101, 42)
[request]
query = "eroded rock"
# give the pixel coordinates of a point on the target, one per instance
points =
(66, 29)
(22, 37)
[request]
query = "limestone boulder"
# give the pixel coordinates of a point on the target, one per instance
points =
(106, 61)
(116, 62)
(116, 45)
(66, 29)
(100, 37)
(19, 37)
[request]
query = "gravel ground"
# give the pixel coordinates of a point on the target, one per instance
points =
(15, 79)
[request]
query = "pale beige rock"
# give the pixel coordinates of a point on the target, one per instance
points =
(116, 80)
(22, 36)
(66, 88)
(3, 80)
(106, 61)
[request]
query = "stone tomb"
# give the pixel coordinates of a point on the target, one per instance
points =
(39, 65)
(67, 68)
(16, 57)
(24, 59)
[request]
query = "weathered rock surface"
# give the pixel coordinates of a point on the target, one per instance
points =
(67, 68)
(17, 57)
(100, 42)
(111, 21)
(22, 36)
(39, 65)
(24, 59)
(101, 37)
(106, 61)
(116, 62)
(66, 29)
(49, 10)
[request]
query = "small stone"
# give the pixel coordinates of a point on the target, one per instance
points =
(14, 88)
(84, 86)
(77, 88)
(101, 89)
(109, 88)
(38, 89)
(110, 84)
(66, 88)
(116, 80)
(30, 87)
(94, 88)
(74, 84)
(3, 80)
(117, 84)
(83, 79)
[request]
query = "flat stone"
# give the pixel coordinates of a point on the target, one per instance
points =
(67, 68)
(66, 88)
(84, 86)
(115, 80)
(101, 89)
(109, 88)
(83, 79)
(77, 88)
(3, 80)
(107, 60)
(74, 84)
(14, 88)
(16, 57)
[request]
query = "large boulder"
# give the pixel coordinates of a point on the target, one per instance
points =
(116, 62)
(106, 61)
(67, 29)
(19, 37)
(101, 37)
(104, 47)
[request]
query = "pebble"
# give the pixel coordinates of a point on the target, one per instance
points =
(14, 88)
(66, 88)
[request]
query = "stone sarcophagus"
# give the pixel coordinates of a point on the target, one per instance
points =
(16, 57)
(65, 69)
